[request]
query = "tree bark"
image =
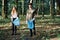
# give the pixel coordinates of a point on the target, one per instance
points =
(51, 7)
(3, 14)
(42, 8)
(16, 2)
(58, 6)
(22, 7)
(6, 8)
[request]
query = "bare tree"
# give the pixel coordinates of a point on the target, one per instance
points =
(22, 7)
(6, 8)
(16, 3)
(51, 7)
(58, 6)
(31, 1)
(3, 14)
(42, 8)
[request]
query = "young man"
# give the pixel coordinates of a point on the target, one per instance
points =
(31, 16)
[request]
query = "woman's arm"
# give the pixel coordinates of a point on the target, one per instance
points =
(11, 18)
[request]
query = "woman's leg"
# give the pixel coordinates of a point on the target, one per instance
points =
(12, 28)
(15, 29)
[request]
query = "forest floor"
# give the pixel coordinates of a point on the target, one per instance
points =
(46, 29)
(42, 33)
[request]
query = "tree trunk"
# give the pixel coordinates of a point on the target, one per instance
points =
(51, 7)
(22, 7)
(31, 1)
(3, 14)
(6, 8)
(42, 8)
(16, 2)
(58, 8)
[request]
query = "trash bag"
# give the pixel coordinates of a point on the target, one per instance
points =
(16, 22)
(30, 24)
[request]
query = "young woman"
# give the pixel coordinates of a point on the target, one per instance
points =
(30, 16)
(13, 17)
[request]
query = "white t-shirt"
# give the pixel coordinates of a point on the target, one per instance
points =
(14, 16)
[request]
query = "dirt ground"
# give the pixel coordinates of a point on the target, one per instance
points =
(24, 34)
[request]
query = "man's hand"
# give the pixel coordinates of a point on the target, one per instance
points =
(33, 19)
(26, 22)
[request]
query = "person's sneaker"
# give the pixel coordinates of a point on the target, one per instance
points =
(12, 33)
(31, 35)
(15, 34)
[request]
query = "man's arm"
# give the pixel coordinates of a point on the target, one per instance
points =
(27, 16)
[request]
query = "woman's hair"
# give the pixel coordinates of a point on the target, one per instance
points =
(13, 10)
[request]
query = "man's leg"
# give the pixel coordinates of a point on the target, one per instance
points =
(34, 28)
(31, 32)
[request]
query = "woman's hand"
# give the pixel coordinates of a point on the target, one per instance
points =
(11, 19)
